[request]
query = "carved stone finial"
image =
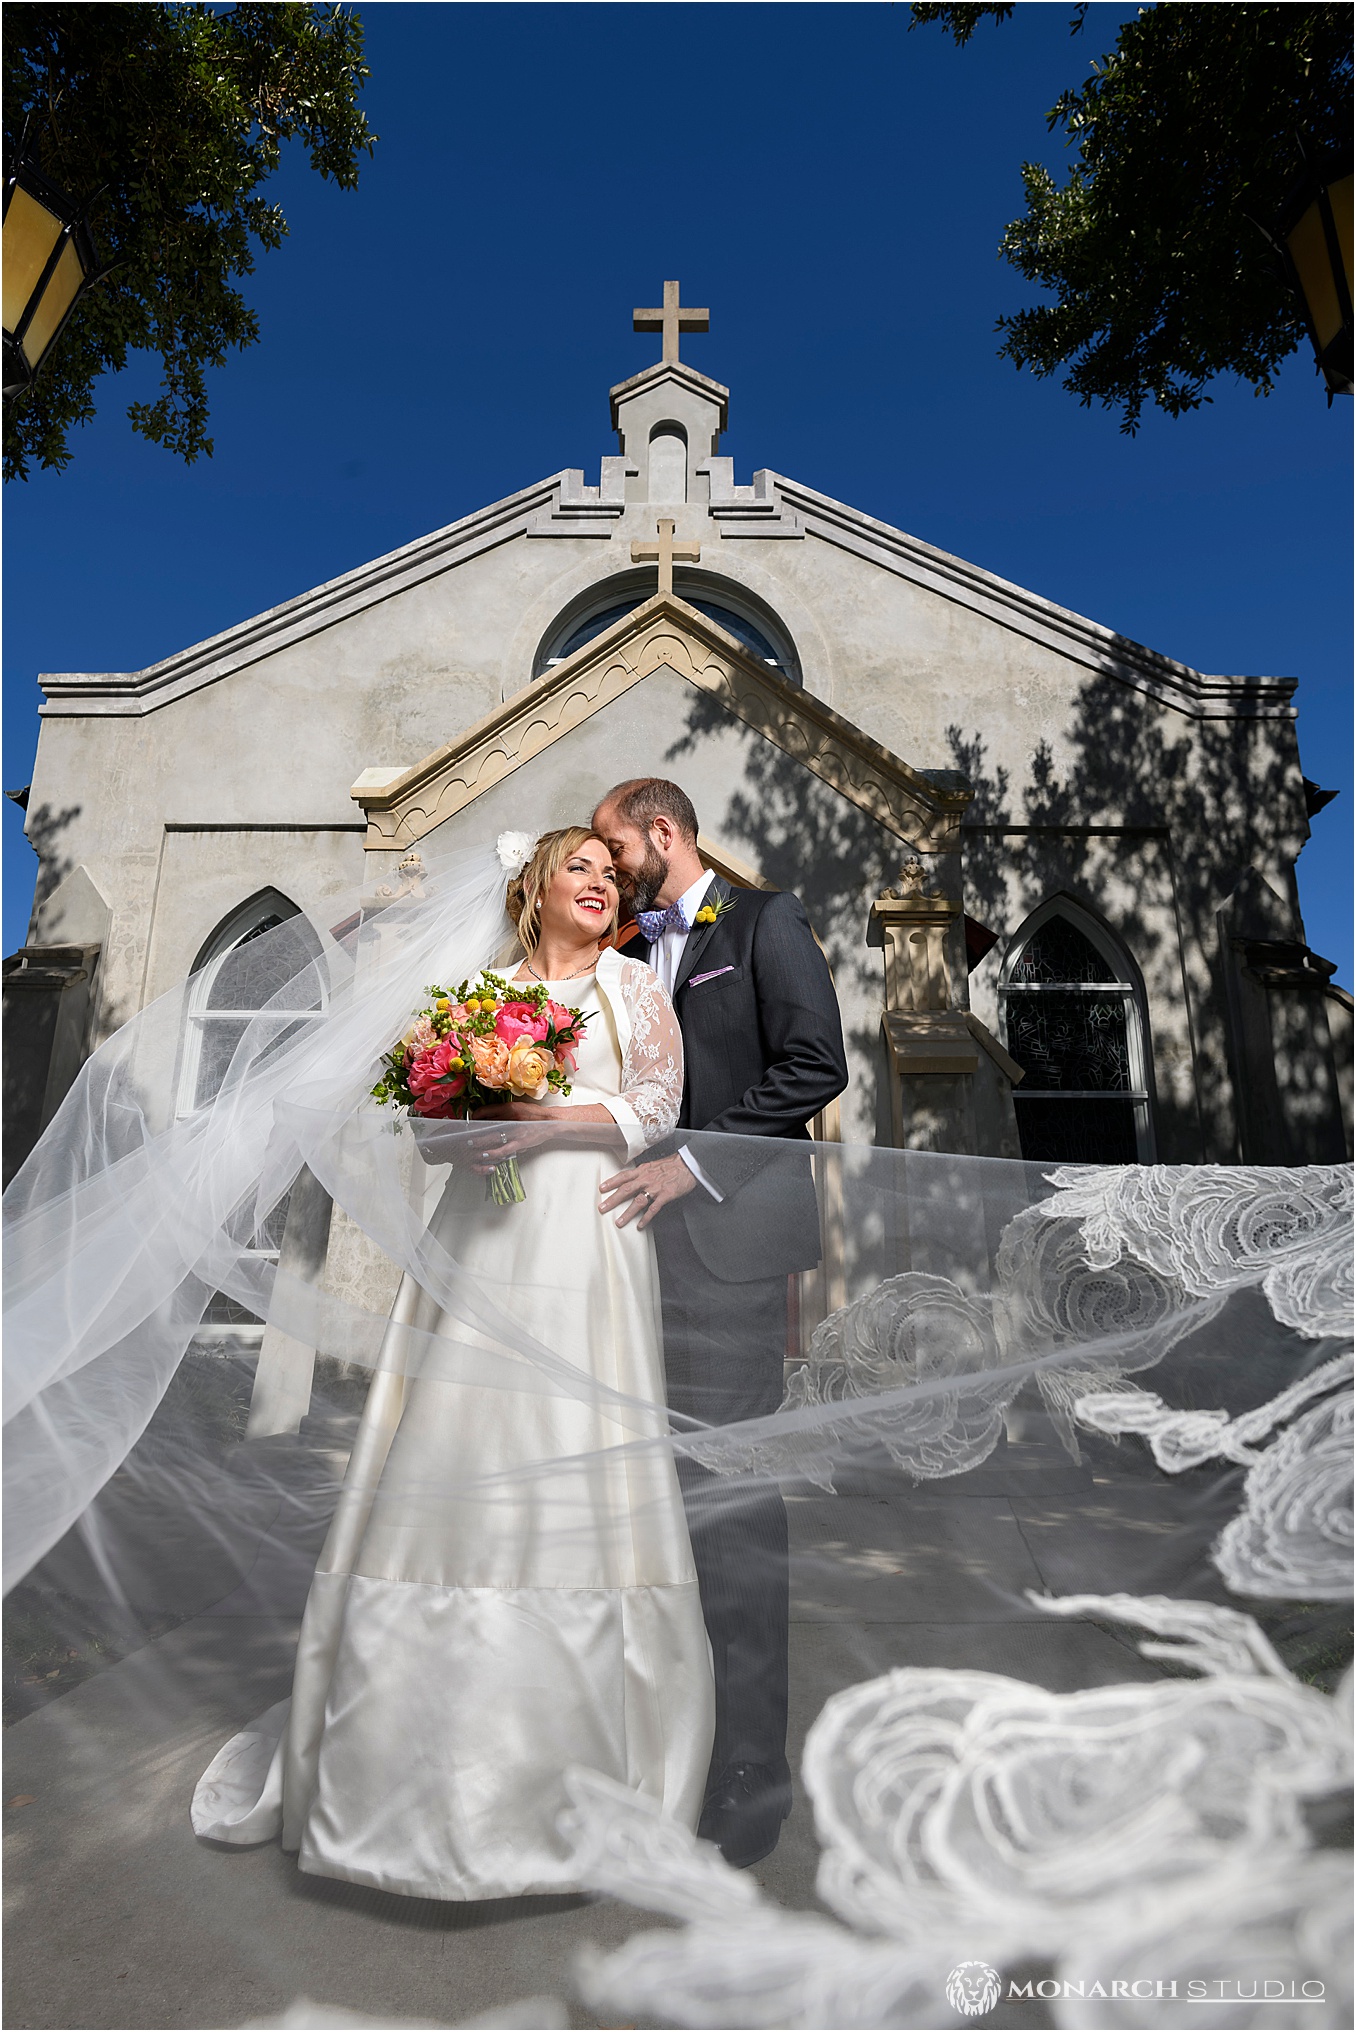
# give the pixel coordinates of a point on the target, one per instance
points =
(409, 878)
(911, 877)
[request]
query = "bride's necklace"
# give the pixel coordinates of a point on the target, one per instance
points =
(589, 967)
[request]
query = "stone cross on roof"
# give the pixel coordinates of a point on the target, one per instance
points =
(665, 551)
(671, 320)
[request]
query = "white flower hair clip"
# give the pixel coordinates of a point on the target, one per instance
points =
(515, 850)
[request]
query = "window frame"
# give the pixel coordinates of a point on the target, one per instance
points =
(635, 587)
(230, 934)
(1125, 983)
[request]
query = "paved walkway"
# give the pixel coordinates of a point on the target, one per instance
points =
(119, 1917)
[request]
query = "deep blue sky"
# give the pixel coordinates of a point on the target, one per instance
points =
(834, 188)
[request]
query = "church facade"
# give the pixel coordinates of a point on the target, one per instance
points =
(1054, 872)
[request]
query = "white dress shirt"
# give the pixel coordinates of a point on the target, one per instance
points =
(666, 956)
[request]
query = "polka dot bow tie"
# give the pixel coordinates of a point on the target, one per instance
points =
(654, 923)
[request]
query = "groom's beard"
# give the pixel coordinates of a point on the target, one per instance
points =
(643, 887)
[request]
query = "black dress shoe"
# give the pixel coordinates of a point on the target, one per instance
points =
(744, 1812)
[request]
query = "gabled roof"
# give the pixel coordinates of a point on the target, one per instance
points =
(1030, 614)
(923, 808)
(1084, 642)
(143, 691)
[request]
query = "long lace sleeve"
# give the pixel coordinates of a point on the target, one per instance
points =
(652, 1070)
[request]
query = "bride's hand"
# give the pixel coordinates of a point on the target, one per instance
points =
(518, 1127)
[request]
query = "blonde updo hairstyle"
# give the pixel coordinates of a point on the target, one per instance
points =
(527, 890)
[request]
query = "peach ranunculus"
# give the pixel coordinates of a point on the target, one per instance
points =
(490, 1056)
(528, 1065)
(520, 1019)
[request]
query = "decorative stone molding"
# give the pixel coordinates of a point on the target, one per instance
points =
(735, 869)
(578, 510)
(136, 692)
(929, 1036)
(914, 932)
(663, 633)
(562, 505)
(747, 511)
(1101, 650)
(666, 380)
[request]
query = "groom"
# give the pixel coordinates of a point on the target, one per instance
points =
(763, 1053)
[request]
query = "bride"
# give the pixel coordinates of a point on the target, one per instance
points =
(507, 1587)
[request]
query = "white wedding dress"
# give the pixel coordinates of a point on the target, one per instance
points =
(466, 1638)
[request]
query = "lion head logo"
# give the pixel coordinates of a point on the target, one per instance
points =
(973, 1987)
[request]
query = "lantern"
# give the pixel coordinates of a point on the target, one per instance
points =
(49, 261)
(1315, 241)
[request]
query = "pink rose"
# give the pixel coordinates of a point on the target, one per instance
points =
(432, 1066)
(440, 1102)
(520, 1019)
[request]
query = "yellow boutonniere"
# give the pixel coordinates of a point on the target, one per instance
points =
(711, 913)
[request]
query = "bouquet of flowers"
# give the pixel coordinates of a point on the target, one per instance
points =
(479, 1044)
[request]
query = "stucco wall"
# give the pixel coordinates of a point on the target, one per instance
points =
(1085, 784)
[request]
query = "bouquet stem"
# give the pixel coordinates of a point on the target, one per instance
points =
(504, 1186)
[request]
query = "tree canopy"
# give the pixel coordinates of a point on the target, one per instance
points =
(1189, 137)
(165, 120)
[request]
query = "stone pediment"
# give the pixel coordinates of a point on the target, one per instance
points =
(663, 633)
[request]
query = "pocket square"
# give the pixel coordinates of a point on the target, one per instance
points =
(695, 980)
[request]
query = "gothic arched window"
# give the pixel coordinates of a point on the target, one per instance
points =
(241, 976)
(1073, 1023)
(238, 978)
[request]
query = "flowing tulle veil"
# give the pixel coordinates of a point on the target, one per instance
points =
(128, 1215)
(1065, 1456)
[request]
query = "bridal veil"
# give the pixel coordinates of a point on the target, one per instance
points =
(1065, 1454)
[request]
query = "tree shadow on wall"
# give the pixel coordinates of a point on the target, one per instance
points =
(45, 828)
(805, 837)
(1221, 795)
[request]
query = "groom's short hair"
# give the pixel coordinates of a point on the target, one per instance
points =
(645, 798)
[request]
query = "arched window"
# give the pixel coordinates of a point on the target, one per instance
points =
(246, 963)
(1074, 1024)
(755, 630)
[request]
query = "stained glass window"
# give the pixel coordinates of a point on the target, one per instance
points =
(1073, 1026)
(1059, 952)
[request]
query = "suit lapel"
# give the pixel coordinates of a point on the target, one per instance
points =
(700, 934)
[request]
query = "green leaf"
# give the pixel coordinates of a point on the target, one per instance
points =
(164, 120)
